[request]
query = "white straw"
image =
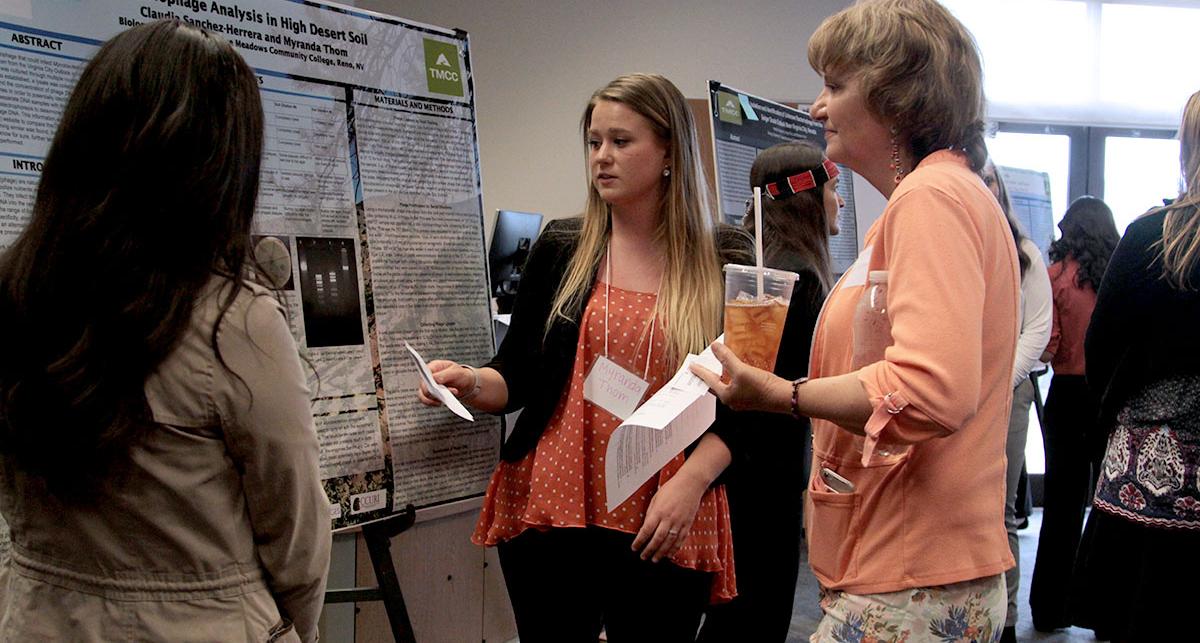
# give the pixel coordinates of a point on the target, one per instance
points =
(758, 234)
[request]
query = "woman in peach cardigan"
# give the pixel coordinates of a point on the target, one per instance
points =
(906, 502)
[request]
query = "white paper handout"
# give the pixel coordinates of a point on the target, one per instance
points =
(674, 417)
(437, 390)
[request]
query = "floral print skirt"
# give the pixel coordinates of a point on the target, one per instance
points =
(969, 611)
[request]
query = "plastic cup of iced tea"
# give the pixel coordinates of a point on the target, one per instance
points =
(753, 319)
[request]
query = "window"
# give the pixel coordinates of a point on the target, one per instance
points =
(1090, 92)
(1139, 171)
(1085, 61)
(1040, 148)
(1133, 170)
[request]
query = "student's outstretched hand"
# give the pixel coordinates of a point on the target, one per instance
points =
(669, 517)
(451, 375)
(749, 388)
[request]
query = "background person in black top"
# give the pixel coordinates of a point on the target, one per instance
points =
(1138, 561)
(766, 484)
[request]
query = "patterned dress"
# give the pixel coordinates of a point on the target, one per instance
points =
(560, 483)
(969, 611)
(1137, 566)
(1151, 470)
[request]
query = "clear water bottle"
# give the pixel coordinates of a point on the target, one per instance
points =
(872, 336)
(872, 329)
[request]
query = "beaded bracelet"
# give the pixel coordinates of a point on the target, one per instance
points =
(796, 398)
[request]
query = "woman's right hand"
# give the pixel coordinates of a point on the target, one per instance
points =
(748, 388)
(459, 379)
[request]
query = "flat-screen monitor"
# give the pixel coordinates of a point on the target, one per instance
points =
(512, 239)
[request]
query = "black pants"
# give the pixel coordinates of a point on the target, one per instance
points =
(1072, 464)
(765, 504)
(565, 584)
(1135, 582)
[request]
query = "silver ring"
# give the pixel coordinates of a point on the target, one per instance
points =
(673, 532)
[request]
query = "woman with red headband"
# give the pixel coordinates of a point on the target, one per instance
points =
(766, 487)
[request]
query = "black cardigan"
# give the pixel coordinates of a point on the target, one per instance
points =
(1142, 329)
(536, 365)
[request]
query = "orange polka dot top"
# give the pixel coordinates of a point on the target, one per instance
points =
(560, 483)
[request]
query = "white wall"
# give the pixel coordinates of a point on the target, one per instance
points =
(536, 62)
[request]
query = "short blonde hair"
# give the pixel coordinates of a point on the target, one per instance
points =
(918, 67)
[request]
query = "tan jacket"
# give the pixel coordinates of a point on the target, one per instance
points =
(220, 530)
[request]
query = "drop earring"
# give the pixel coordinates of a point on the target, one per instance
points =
(895, 164)
(666, 171)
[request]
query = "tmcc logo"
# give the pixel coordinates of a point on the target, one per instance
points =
(442, 71)
(729, 109)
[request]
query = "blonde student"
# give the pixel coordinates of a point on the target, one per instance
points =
(625, 292)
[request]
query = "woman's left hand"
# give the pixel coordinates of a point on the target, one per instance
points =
(669, 518)
(749, 388)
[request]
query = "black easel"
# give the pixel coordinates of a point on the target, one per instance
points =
(1037, 394)
(1025, 494)
(379, 536)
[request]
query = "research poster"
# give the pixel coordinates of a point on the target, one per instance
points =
(369, 216)
(1029, 197)
(743, 126)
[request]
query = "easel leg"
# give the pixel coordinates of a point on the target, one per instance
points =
(378, 537)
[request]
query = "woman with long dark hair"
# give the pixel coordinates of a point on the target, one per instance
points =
(797, 224)
(1078, 261)
(159, 456)
(766, 484)
(1143, 360)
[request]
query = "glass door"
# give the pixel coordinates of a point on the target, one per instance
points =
(1140, 170)
(1041, 149)
(1047, 151)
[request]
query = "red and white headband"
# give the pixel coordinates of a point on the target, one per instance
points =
(803, 181)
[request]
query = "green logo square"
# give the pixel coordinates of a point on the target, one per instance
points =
(728, 108)
(443, 71)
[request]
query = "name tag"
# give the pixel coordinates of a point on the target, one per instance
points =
(613, 388)
(857, 274)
